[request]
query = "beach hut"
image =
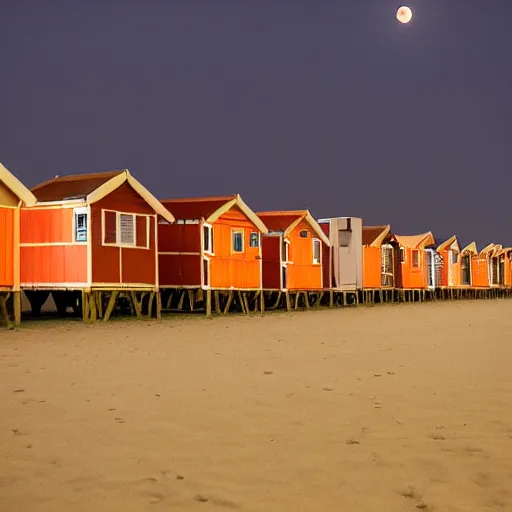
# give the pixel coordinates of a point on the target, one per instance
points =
(215, 244)
(380, 258)
(13, 195)
(345, 235)
(491, 265)
(506, 254)
(296, 252)
(451, 275)
(414, 265)
(474, 266)
(496, 258)
(90, 240)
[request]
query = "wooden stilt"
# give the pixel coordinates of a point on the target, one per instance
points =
(136, 304)
(229, 301)
(110, 306)
(169, 300)
(208, 303)
(331, 298)
(262, 302)
(181, 301)
(4, 316)
(92, 307)
(217, 302)
(288, 302)
(191, 299)
(17, 307)
(150, 304)
(158, 305)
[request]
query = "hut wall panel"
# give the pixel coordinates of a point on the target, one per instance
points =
(230, 269)
(139, 265)
(479, 272)
(115, 265)
(177, 270)
(303, 274)
(54, 264)
(271, 251)
(7, 246)
(179, 238)
(414, 277)
(372, 267)
(49, 225)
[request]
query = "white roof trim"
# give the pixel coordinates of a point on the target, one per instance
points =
(16, 186)
(237, 201)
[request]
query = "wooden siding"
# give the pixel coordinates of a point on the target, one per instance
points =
(414, 277)
(303, 274)
(176, 270)
(46, 225)
(479, 271)
(7, 247)
(126, 265)
(179, 238)
(271, 253)
(229, 269)
(372, 271)
(54, 264)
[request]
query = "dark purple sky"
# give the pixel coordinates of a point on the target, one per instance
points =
(329, 105)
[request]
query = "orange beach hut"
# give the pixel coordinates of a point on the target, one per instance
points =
(451, 273)
(474, 267)
(413, 260)
(380, 258)
(90, 232)
(215, 243)
(13, 195)
(296, 252)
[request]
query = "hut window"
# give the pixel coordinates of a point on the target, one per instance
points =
(142, 231)
(344, 236)
(126, 229)
(402, 255)
(238, 240)
(109, 227)
(316, 251)
(303, 234)
(455, 257)
(208, 238)
(80, 225)
(254, 239)
(415, 258)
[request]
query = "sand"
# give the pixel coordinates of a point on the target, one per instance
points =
(390, 408)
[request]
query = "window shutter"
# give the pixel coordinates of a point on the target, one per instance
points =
(109, 236)
(142, 234)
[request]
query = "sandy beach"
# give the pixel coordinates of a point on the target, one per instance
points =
(390, 408)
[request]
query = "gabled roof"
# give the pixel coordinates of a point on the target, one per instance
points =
(471, 248)
(416, 241)
(488, 248)
(374, 236)
(448, 244)
(16, 186)
(287, 221)
(210, 209)
(94, 187)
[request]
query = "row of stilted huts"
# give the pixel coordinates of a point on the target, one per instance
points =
(101, 245)
(105, 304)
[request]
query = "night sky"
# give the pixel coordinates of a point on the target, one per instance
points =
(328, 105)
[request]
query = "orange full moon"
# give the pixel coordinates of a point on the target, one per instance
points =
(404, 14)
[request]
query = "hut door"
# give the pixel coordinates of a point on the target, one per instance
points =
(494, 271)
(439, 265)
(501, 270)
(206, 272)
(466, 270)
(387, 267)
(430, 269)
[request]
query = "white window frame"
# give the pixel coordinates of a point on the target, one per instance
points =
(258, 234)
(76, 212)
(210, 249)
(242, 232)
(118, 243)
(313, 242)
(413, 252)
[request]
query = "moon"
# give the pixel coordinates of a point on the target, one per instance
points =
(404, 14)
